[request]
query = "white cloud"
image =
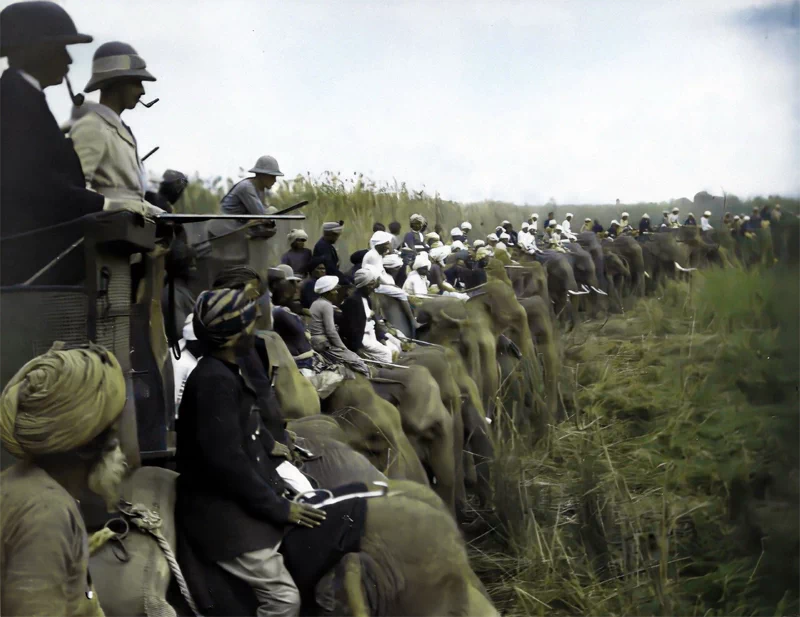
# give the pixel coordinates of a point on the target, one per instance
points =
(582, 101)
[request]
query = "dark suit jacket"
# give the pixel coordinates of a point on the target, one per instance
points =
(42, 181)
(353, 322)
(327, 252)
(230, 498)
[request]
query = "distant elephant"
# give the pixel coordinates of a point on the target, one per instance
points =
(545, 336)
(665, 257)
(704, 251)
(373, 427)
(617, 275)
(628, 248)
(583, 268)
(561, 282)
(529, 279)
(427, 423)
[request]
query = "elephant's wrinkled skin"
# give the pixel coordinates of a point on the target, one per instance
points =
(296, 394)
(560, 281)
(617, 278)
(427, 423)
(661, 252)
(373, 427)
(628, 248)
(447, 367)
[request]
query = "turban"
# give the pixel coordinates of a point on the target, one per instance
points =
(440, 253)
(392, 260)
(534, 216)
(380, 237)
(422, 261)
(335, 227)
(501, 247)
(707, 213)
(325, 284)
(221, 316)
(525, 225)
(588, 220)
(436, 243)
(466, 225)
(432, 236)
(569, 215)
(238, 276)
(504, 223)
(297, 234)
(646, 216)
(676, 210)
(552, 223)
(615, 222)
(624, 215)
(492, 238)
(456, 232)
(61, 400)
(478, 244)
(736, 217)
(457, 246)
(483, 253)
(365, 276)
(505, 236)
(416, 217)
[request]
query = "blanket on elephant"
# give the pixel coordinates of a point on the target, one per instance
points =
(308, 554)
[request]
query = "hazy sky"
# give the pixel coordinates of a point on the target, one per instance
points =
(583, 101)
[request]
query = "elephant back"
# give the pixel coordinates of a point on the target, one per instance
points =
(337, 464)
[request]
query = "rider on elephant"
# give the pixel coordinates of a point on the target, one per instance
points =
(674, 218)
(358, 327)
(415, 239)
(326, 251)
(288, 324)
(298, 256)
(417, 281)
(705, 225)
(690, 220)
(104, 143)
(644, 224)
(466, 227)
(58, 416)
(625, 223)
(613, 229)
(587, 225)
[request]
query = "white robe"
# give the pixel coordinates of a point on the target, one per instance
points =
(415, 285)
(373, 258)
(704, 224)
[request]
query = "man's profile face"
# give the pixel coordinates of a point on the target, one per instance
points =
(49, 64)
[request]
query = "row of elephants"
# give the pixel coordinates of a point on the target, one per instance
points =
(424, 426)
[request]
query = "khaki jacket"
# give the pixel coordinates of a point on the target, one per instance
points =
(108, 154)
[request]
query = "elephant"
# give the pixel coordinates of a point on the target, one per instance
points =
(545, 336)
(427, 423)
(664, 257)
(583, 267)
(469, 332)
(617, 276)
(296, 394)
(703, 250)
(373, 427)
(561, 282)
(628, 248)
(448, 370)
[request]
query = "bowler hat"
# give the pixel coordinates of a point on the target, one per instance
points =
(30, 24)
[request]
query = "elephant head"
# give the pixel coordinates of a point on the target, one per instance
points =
(372, 426)
(296, 394)
(560, 279)
(468, 332)
(628, 248)
(665, 255)
(427, 423)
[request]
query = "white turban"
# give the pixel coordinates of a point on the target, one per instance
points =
(552, 223)
(456, 233)
(478, 244)
(457, 246)
(676, 210)
(569, 215)
(440, 253)
(492, 238)
(380, 237)
(365, 276)
(432, 236)
(504, 223)
(296, 234)
(505, 236)
(525, 225)
(466, 225)
(392, 260)
(646, 216)
(416, 217)
(615, 222)
(500, 246)
(707, 213)
(422, 261)
(624, 215)
(325, 284)
(483, 252)
(535, 217)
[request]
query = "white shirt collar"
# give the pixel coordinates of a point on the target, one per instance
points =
(30, 79)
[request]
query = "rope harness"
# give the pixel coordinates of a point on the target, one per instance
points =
(148, 522)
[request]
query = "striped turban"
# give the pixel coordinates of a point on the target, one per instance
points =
(61, 400)
(221, 316)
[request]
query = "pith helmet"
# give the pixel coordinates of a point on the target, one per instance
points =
(29, 24)
(266, 165)
(116, 60)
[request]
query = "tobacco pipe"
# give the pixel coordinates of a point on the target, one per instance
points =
(150, 104)
(77, 99)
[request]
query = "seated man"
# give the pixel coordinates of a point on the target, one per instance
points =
(232, 499)
(298, 257)
(325, 249)
(289, 325)
(415, 239)
(417, 282)
(59, 414)
(325, 339)
(358, 326)
(307, 293)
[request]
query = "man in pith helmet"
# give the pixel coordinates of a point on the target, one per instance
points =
(105, 144)
(41, 183)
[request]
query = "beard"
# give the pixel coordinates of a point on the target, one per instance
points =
(105, 477)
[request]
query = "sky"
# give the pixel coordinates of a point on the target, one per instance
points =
(579, 101)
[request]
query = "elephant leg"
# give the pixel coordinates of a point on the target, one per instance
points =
(354, 591)
(479, 448)
(441, 459)
(458, 454)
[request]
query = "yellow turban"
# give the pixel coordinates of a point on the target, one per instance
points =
(61, 400)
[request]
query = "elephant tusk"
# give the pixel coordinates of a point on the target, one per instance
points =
(647, 274)
(599, 291)
(458, 322)
(577, 293)
(682, 269)
(389, 364)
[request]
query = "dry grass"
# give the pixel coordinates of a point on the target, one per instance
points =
(673, 489)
